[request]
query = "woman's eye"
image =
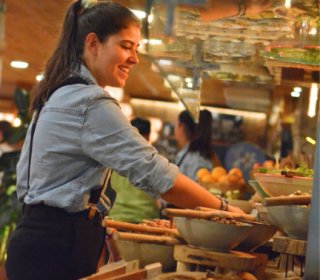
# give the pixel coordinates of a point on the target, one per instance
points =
(126, 47)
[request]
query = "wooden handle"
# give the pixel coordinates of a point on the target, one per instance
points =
(140, 228)
(206, 213)
(231, 215)
(286, 200)
(138, 237)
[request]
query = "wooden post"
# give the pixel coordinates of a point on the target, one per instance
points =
(312, 269)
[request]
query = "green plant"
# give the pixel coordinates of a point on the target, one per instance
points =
(10, 208)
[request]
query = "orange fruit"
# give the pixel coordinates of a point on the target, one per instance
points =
(223, 183)
(201, 172)
(207, 178)
(218, 171)
(268, 164)
(233, 179)
(235, 171)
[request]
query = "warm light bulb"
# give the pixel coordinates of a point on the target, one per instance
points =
(287, 4)
(313, 98)
(310, 140)
(19, 64)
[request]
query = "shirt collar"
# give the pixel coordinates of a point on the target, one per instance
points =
(86, 74)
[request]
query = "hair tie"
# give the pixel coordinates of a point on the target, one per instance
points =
(85, 4)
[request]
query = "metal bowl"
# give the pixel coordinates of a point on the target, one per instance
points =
(258, 235)
(211, 235)
(293, 220)
(147, 253)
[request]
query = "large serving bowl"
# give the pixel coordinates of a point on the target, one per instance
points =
(258, 235)
(293, 220)
(278, 185)
(147, 253)
(211, 235)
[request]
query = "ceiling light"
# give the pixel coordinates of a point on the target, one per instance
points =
(154, 42)
(19, 64)
(139, 14)
(165, 62)
(287, 4)
(295, 94)
(297, 89)
(39, 77)
(16, 122)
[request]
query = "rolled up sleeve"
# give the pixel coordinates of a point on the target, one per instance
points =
(109, 138)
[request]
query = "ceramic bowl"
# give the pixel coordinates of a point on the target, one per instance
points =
(293, 220)
(211, 235)
(258, 235)
(147, 253)
(278, 185)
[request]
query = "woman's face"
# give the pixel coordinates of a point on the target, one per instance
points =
(113, 59)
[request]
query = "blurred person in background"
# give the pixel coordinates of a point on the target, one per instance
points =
(5, 146)
(133, 205)
(194, 141)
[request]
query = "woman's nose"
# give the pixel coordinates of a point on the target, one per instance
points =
(134, 58)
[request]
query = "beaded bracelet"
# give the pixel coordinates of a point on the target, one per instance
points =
(224, 203)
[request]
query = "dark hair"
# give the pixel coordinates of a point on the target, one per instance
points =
(143, 125)
(5, 127)
(104, 18)
(199, 134)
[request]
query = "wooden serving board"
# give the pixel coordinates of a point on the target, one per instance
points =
(289, 246)
(232, 260)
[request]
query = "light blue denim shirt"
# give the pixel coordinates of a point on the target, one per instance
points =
(80, 131)
(191, 162)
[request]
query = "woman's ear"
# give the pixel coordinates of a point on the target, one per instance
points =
(91, 43)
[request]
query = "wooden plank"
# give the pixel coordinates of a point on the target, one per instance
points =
(287, 200)
(146, 238)
(232, 259)
(289, 246)
(140, 228)
(205, 213)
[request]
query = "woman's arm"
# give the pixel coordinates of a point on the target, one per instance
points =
(188, 194)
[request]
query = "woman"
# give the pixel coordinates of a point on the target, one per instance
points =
(77, 131)
(194, 141)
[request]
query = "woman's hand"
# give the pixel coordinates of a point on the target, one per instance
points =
(234, 209)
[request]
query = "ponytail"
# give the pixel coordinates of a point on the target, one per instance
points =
(104, 18)
(63, 61)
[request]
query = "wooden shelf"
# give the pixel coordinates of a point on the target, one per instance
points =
(289, 246)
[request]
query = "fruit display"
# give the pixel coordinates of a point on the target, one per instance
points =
(221, 179)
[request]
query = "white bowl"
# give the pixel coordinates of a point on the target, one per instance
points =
(211, 235)
(293, 220)
(278, 185)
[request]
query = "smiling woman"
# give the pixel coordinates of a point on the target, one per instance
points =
(77, 135)
(110, 61)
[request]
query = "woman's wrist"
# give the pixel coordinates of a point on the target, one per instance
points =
(224, 204)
